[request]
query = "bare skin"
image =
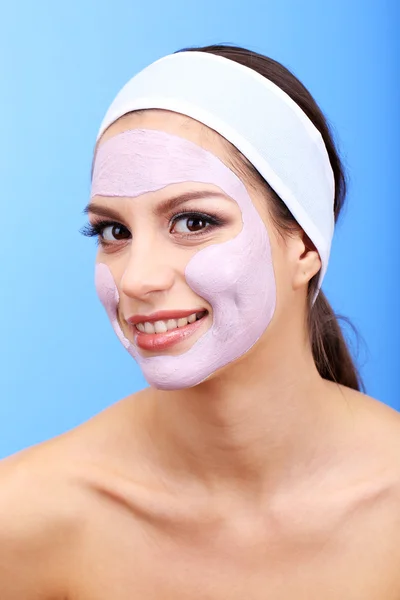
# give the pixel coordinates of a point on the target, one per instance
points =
(91, 515)
(265, 481)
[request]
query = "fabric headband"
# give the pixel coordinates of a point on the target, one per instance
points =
(257, 117)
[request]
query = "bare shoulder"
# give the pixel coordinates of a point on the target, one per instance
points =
(47, 494)
(41, 516)
(375, 433)
(376, 428)
(377, 419)
(379, 435)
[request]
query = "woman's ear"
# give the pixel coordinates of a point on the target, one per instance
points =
(306, 260)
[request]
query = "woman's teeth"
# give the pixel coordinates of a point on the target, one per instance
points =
(164, 326)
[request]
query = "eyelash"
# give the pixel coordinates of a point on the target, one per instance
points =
(96, 229)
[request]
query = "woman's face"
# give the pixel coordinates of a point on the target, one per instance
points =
(184, 266)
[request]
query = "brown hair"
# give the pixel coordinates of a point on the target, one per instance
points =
(330, 351)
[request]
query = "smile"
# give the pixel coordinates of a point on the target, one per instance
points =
(168, 325)
(164, 333)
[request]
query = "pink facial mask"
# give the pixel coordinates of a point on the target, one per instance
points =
(235, 277)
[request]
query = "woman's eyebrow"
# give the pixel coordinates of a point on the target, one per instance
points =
(173, 203)
(102, 211)
(163, 207)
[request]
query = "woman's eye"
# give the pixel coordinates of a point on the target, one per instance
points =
(113, 232)
(190, 224)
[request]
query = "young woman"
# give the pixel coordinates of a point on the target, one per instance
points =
(252, 466)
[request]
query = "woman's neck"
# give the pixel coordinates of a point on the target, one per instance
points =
(255, 427)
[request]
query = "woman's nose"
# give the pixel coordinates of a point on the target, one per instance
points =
(145, 273)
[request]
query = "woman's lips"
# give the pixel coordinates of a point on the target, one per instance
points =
(162, 341)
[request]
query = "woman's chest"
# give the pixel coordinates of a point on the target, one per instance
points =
(143, 563)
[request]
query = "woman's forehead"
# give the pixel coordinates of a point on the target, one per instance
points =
(173, 123)
(193, 131)
(137, 161)
(189, 129)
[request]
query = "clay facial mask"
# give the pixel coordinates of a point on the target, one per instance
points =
(235, 277)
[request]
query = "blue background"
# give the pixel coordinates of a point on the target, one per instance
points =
(62, 64)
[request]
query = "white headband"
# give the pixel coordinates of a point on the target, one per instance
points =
(257, 117)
